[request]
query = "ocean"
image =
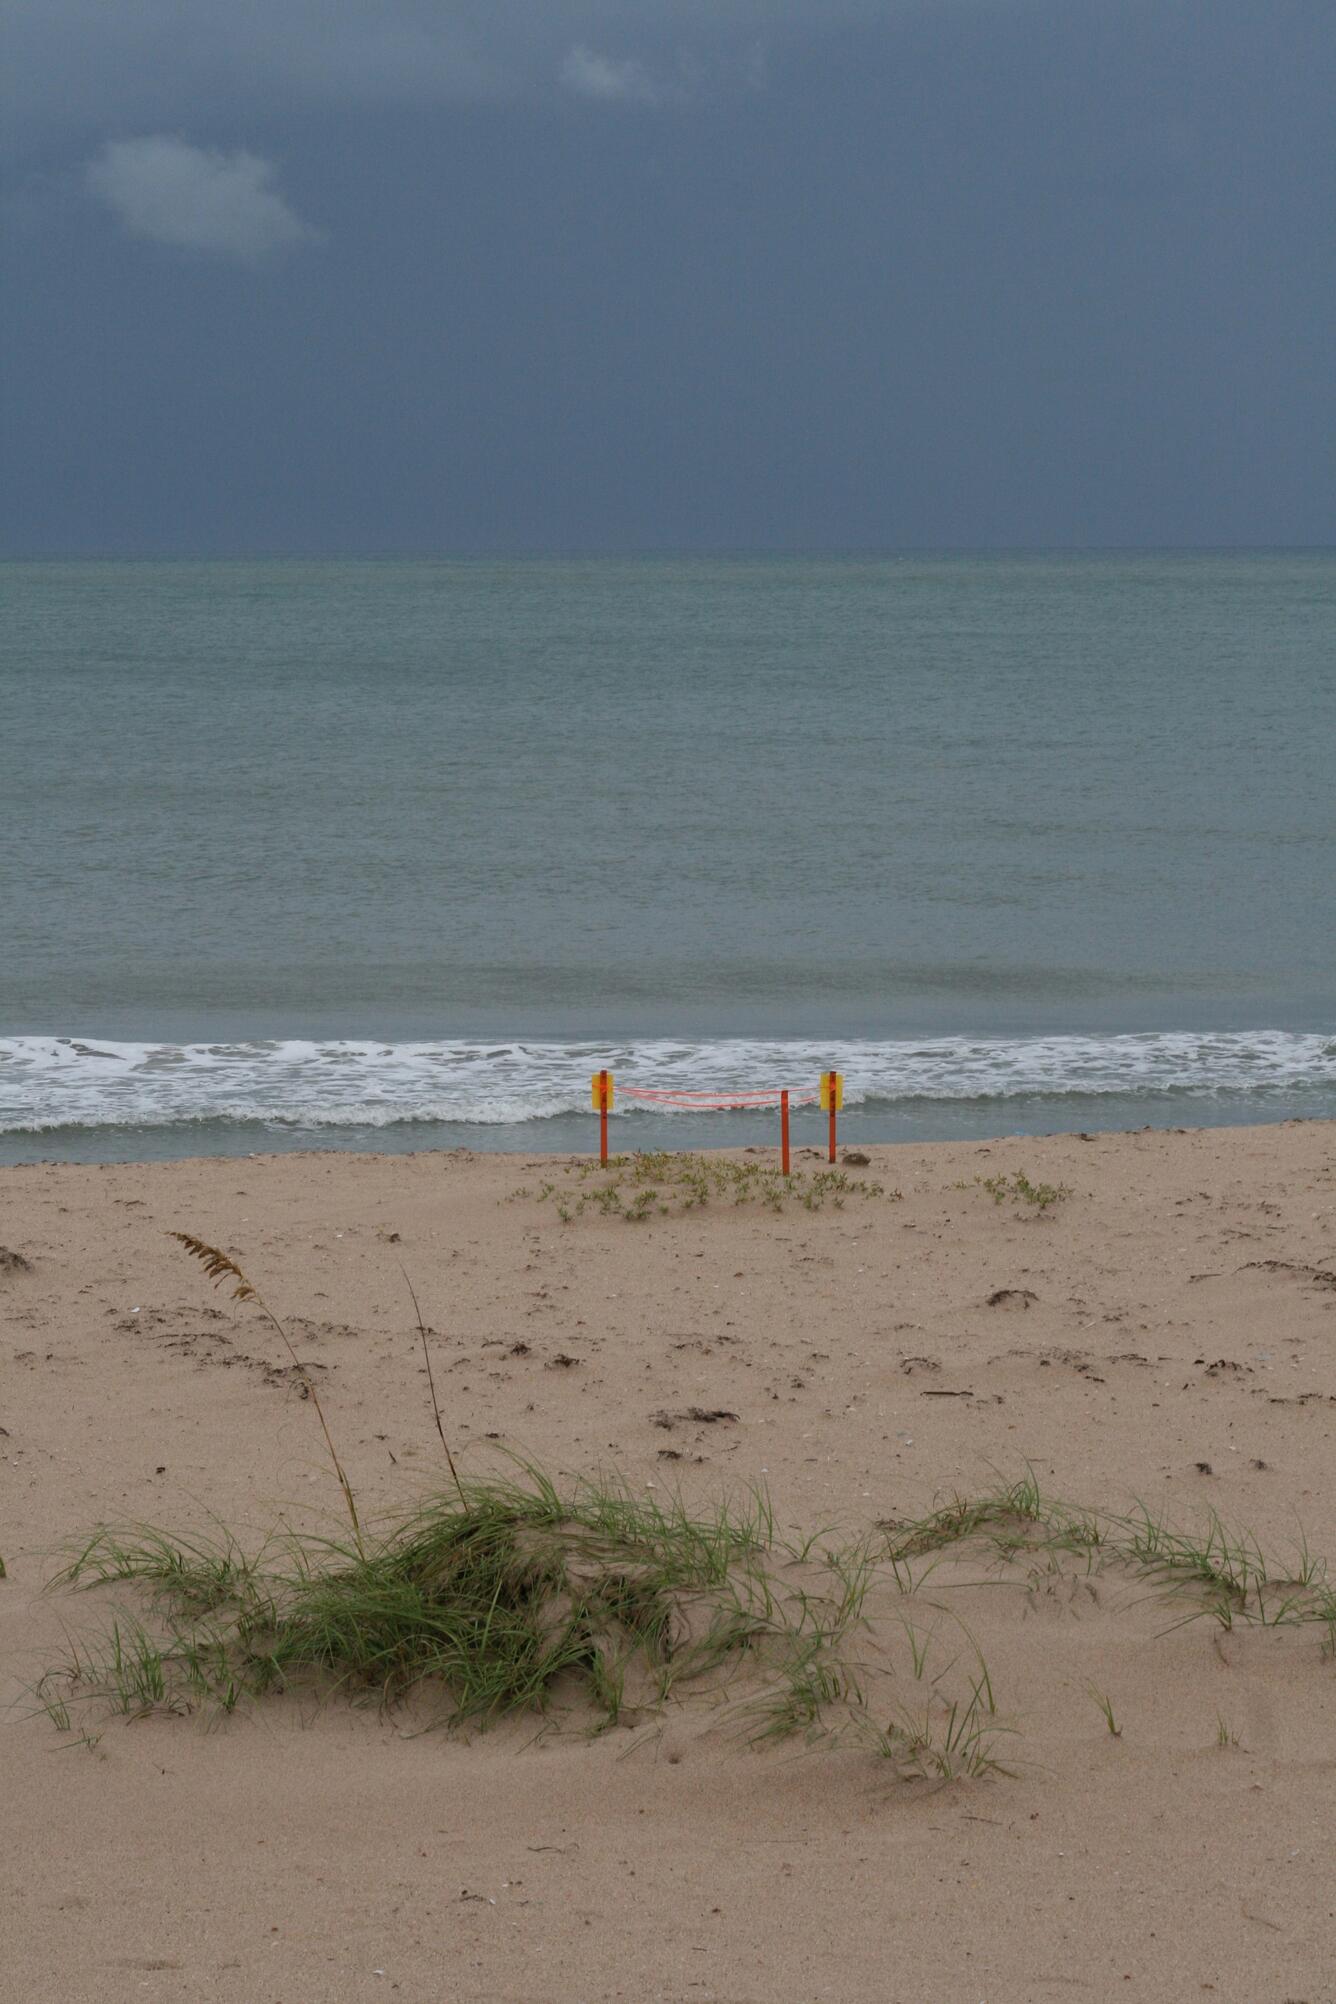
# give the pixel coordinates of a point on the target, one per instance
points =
(394, 854)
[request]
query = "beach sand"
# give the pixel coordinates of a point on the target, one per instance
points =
(1163, 1332)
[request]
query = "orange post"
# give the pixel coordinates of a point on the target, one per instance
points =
(603, 1119)
(834, 1097)
(784, 1132)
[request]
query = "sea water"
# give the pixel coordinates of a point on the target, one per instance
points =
(394, 855)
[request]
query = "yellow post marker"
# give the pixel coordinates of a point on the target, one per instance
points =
(602, 1091)
(832, 1090)
(832, 1099)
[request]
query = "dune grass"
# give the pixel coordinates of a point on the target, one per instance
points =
(665, 1183)
(590, 1607)
(1210, 1572)
(1018, 1189)
(599, 1605)
(503, 1597)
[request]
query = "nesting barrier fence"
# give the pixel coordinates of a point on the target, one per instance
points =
(829, 1095)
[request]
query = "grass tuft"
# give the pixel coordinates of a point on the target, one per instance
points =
(951, 1740)
(1018, 1189)
(1213, 1572)
(505, 1597)
(1104, 1704)
(663, 1183)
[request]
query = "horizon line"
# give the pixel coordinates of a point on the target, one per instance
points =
(667, 553)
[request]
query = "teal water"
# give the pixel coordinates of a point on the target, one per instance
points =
(389, 854)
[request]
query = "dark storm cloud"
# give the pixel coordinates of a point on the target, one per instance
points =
(298, 276)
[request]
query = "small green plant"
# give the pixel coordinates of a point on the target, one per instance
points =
(1005, 1514)
(1224, 1737)
(918, 1648)
(813, 1681)
(58, 1712)
(664, 1184)
(1019, 1189)
(1105, 1706)
(950, 1741)
(55, 1707)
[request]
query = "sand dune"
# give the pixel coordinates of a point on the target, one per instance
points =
(1159, 1335)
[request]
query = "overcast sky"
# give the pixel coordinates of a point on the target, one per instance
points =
(298, 276)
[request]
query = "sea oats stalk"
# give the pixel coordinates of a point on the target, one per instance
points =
(220, 1268)
(431, 1386)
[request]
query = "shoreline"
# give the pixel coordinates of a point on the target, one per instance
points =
(658, 1134)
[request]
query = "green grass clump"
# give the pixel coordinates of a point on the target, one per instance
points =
(1018, 1189)
(1010, 1519)
(503, 1597)
(661, 1184)
(1210, 1572)
(950, 1740)
(1228, 1572)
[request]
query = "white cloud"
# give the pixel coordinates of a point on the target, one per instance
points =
(592, 75)
(163, 188)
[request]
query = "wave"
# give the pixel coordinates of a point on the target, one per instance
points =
(50, 1083)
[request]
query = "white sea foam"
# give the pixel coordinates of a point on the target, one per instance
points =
(49, 1083)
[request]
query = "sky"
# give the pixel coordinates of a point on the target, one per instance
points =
(338, 277)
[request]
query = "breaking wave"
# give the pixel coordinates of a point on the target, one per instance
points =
(64, 1083)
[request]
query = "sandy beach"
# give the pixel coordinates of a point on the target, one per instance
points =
(1159, 1333)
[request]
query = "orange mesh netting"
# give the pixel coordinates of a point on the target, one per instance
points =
(672, 1096)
